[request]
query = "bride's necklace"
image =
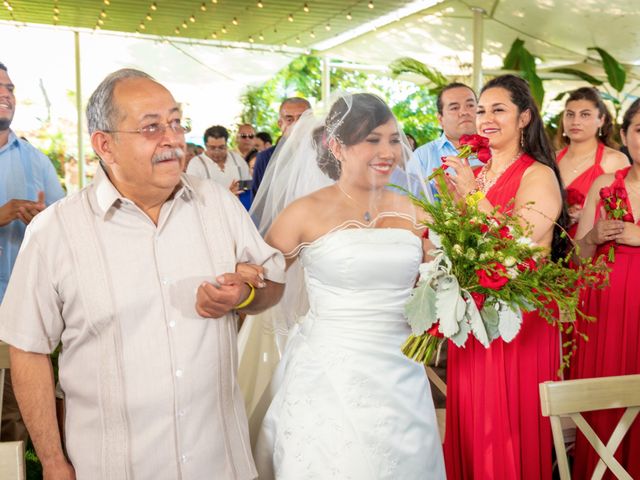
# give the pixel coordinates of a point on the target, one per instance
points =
(481, 180)
(367, 216)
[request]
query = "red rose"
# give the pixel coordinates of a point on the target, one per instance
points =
(494, 278)
(484, 228)
(605, 192)
(433, 331)
(476, 142)
(483, 154)
(627, 217)
(574, 197)
(478, 299)
(620, 192)
(528, 264)
(467, 140)
(505, 233)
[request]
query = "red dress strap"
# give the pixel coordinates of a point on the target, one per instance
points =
(562, 153)
(599, 153)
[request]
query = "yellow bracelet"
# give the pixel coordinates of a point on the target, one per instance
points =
(473, 199)
(248, 300)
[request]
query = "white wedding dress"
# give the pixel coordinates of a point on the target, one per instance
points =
(348, 404)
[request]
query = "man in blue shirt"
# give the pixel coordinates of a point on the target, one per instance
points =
(290, 111)
(457, 116)
(28, 184)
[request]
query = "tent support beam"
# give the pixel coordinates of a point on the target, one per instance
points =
(326, 79)
(81, 166)
(478, 41)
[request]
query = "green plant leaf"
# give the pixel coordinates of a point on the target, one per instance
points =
(512, 60)
(611, 98)
(537, 89)
(561, 95)
(616, 74)
(411, 65)
(580, 74)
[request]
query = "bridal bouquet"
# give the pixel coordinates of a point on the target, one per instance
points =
(486, 273)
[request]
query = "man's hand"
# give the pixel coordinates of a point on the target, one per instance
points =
(234, 186)
(214, 301)
(23, 210)
(61, 470)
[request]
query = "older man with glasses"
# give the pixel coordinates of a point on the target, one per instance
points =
(245, 139)
(135, 276)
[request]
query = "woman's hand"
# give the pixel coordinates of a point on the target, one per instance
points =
(252, 274)
(605, 231)
(465, 180)
(630, 235)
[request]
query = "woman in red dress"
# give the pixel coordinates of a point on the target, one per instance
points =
(586, 128)
(494, 428)
(613, 347)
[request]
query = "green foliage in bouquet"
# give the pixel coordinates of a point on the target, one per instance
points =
(485, 274)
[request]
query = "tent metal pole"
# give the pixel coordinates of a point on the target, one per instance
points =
(326, 79)
(81, 165)
(478, 41)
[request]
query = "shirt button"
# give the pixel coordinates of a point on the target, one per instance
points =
(165, 281)
(184, 458)
(181, 413)
(178, 373)
(172, 323)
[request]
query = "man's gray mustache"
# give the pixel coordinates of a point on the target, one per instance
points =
(168, 155)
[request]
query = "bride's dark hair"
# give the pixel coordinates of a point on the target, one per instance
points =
(535, 143)
(350, 120)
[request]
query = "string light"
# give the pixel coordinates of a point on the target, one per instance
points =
(297, 39)
(327, 27)
(260, 4)
(97, 27)
(177, 30)
(154, 7)
(224, 29)
(100, 21)
(103, 14)
(184, 24)
(203, 7)
(148, 17)
(56, 10)
(214, 35)
(306, 8)
(311, 34)
(290, 18)
(56, 18)
(142, 26)
(370, 4)
(261, 36)
(234, 21)
(107, 2)
(251, 40)
(192, 19)
(214, 1)
(349, 17)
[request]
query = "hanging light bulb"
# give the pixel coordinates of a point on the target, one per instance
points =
(214, 35)
(251, 40)
(203, 7)
(290, 18)
(234, 21)
(154, 7)
(192, 19)
(297, 39)
(184, 24)
(148, 17)
(370, 4)
(100, 21)
(224, 29)
(56, 18)
(103, 14)
(107, 2)
(261, 36)
(141, 26)
(311, 34)
(56, 10)
(214, 1)
(97, 27)
(306, 8)
(327, 27)
(260, 4)
(349, 17)
(177, 30)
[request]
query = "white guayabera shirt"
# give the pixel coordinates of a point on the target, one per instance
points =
(150, 386)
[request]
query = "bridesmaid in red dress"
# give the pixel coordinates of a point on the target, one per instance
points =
(494, 429)
(586, 128)
(613, 347)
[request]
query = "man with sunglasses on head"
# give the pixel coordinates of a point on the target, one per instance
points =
(220, 164)
(135, 275)
(245, 139)
(28, 183)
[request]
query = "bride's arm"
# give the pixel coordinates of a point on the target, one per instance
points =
(286, 232)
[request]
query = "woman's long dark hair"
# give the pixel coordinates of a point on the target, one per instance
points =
(605, 134)
(536, 144)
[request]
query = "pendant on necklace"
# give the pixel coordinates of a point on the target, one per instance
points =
(367, 217)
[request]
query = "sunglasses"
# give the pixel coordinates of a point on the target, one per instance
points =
(246, 135)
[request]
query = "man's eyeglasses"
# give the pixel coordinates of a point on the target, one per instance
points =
(156, 131)
(246, 135)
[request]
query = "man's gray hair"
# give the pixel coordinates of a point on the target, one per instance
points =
(3, 67)
(102, 113)
(295, 100)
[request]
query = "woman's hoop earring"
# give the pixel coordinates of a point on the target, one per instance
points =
(522, 138)
(599, 131)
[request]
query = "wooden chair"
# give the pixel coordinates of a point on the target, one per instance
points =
(572, 397)
(12, 465)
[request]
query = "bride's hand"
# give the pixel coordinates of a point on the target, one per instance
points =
(451, 188)
(465, 180)
(252, 274)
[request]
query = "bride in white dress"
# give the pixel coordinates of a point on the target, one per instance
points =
(347, 404)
